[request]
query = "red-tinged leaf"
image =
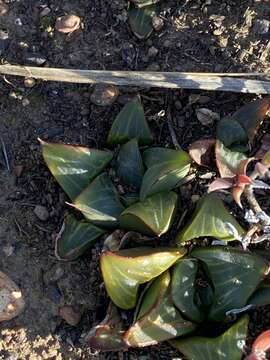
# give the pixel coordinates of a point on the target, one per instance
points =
(123, 271)
(237, 193)
(221, 184)
(265, 147)
(242, 167)
(243, 180)
(200, 151)
(251, 115)
(108, 335)
(227, 161)
(260, 346)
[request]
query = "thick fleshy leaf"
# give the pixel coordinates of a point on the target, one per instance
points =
(130, 199)
(183, 288)
(100, 203)
(166, 167)
(228, 346)
(261, 297)
(251, 115)
(200, 151)
(210, 218)
(235, 275)
(161, 320)
(230, 132)
(140, 20)
(75, 238)
(108, 335)
(74, 167)
(125, 270)
(227, 160)
(221, 184)
(152, 216)
(130, 124)
(130, 165)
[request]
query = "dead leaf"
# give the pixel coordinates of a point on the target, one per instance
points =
(200, 151)
(265, 147)
(67, 24)
(104, 95)
(70, 316)
(221, 184)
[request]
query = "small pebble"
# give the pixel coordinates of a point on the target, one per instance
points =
(67, 24)
(206, 116)
(71, 316)
(41, 212)
(3, 8)
(178, 105)
(25, 102)
(157, 23)
(152, 51)
(261, 26)
(207, 176)
(104, 95)
(29, 82)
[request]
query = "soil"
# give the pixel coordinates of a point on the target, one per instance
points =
(220, 36)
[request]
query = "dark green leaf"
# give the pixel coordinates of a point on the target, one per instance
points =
(159, 320)
(75, 238)
(153, 216)
(129, 164)
(166, 167)
(227, 160)
(183, 288)
(125, 270)
(210, 218)
(99, 202)
(108, 335)
(261, 297)
(235, 275)
(228, 346)
(140, 20)
(230, 132)
(251, 115)
(74, 167)
(130, 199)
(129, 124)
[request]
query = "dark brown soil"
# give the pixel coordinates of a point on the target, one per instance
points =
(187, 42)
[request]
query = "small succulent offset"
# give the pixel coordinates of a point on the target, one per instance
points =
(197, 298)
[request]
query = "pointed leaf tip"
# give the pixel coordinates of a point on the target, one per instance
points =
(152, 216)
(100, 203)
(129, 124)
(75, 238)
(166, 167)
(74, 167)
(210, 219)
(125, 270)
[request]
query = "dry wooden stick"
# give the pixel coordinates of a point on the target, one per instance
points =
(205, 81)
